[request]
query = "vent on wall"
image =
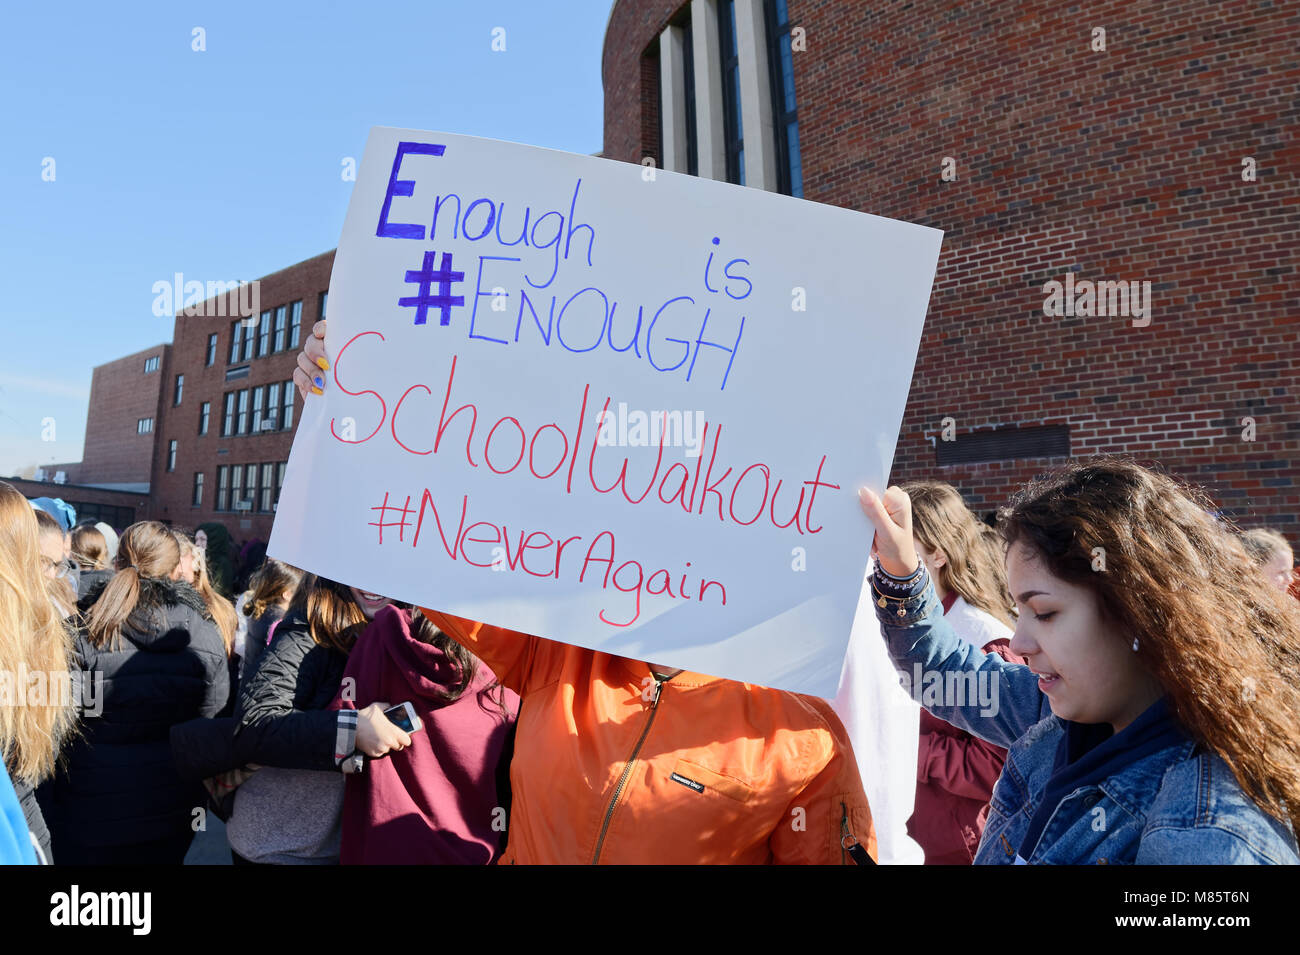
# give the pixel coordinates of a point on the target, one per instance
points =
(1005, 444)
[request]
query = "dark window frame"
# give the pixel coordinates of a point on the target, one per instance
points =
(789, 158)
(733, 127)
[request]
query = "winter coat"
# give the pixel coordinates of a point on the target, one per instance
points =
(435, 802)
(288, 812)
(613, 766)
(16, 844)
(955, 770)
(116, 784)
(90, 580)
(40, 832)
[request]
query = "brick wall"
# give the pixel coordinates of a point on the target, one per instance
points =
(172, 492)
(121, 393)
(1118, 165)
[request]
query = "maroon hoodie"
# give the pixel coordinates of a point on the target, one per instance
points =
(435, 802)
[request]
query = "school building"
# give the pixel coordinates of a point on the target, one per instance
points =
(1117, 271)
(1117, 144)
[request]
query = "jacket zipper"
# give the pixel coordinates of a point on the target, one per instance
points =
(627, 771)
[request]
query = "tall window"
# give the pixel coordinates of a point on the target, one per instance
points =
(279, 483)
(250, 342)
(197, 500)
(212, 349)
(236, 485)
(286, 416)
(780, 57)
(241, 425)
(203, 416)
(236, 333)
(264, 343)
(250, 485)
(732, 126)
(228, 422)
(223, 488)
(267, 489)
(295, 323)
(279, 330)
(180, 387)
(151, 364)
(324, 300)
(273, 402)
(688, 84)
(144, 426)
(257, 411)
(171, 455)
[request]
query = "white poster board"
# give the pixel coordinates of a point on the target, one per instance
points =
(513, 328)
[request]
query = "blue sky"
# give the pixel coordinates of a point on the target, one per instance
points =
(225, 163)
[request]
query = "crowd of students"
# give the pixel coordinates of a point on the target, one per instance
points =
(1147, 702)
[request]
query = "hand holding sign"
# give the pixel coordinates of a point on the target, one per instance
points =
(622, 414)
(893, 546)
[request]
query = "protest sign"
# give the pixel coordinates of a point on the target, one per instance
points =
(609, 405)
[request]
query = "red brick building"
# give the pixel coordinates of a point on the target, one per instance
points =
(1121, 144)
(125, 408)
(230, 408)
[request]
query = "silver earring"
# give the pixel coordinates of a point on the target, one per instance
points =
(1135, 644)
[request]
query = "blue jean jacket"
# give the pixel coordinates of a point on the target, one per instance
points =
(1177, 806)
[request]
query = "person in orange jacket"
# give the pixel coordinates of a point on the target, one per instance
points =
(619, 761)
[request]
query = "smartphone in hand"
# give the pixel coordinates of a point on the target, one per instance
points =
(403, 715)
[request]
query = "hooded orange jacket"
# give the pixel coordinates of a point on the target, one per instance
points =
(611, 767)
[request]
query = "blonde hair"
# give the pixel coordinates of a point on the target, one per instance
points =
(223, 614)
(974, 569)
(33, 638)
(146, 549)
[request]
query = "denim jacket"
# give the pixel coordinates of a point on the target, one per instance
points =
(1178, 806)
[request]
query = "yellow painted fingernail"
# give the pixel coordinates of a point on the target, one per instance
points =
(322, 364)
(316, 391)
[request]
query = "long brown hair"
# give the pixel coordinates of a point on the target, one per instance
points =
(268, 585)
(223, 613)
(33, 639)
(147, 549)
(974, 568)
(334, 619)
(1222, 643)
(89, 547)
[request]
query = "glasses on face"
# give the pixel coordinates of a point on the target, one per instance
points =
(56, 568)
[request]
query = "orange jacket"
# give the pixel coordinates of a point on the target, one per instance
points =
(706, 771)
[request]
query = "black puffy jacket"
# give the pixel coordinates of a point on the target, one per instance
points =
(39, 832)
(116, 784)
(281, 718)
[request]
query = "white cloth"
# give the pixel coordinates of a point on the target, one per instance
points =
(883, 723)
(977, 627)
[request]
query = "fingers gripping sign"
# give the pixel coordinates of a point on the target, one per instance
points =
(891, 517)
(308, 376)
